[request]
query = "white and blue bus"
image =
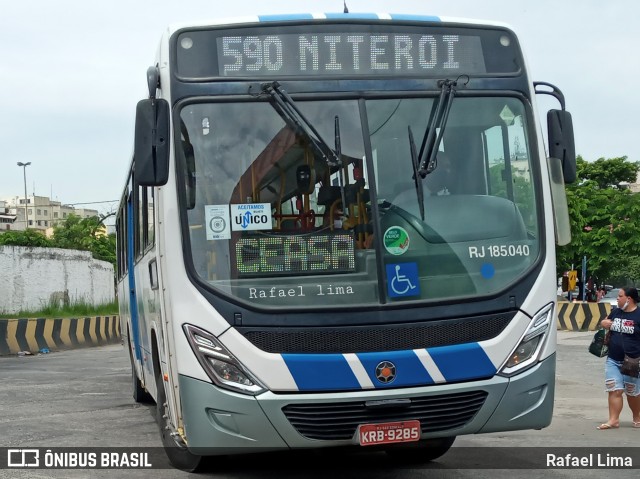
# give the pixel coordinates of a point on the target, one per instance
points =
(340, 230)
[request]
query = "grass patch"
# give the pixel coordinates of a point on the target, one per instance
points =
(56, 310)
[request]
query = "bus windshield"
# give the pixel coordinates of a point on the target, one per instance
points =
(271, 222)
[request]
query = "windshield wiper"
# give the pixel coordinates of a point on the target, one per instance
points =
(437, 122)
(416, 179)
(293, 117)
(287, 109)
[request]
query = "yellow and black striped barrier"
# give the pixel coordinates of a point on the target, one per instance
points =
(34, 335)
(581, 316)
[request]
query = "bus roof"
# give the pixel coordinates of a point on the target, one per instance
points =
(296, 17)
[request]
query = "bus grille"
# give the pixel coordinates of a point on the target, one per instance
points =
(338, 421)
(394, 337)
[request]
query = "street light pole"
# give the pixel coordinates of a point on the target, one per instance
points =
(26, 211)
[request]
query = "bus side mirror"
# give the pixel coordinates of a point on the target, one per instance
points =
(151, 146)
(561, 142)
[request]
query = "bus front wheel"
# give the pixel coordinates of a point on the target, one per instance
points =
(179, 456)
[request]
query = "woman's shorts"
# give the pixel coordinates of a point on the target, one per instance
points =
(614, 380)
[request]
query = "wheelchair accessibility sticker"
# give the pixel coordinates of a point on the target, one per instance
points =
(402, 280)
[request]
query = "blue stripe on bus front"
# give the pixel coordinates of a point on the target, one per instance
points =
(314, 372)
(326, 372)
(409, 369)
(415, 18)
(462, 362)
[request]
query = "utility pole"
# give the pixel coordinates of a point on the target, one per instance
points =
(26, 210)
(584, 278)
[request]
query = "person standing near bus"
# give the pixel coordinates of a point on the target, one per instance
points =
(623, 324)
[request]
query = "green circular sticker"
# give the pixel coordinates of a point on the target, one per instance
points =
(396, 240)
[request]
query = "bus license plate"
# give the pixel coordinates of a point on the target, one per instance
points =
(389, 433)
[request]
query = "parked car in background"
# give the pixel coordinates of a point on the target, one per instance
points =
(611, 297)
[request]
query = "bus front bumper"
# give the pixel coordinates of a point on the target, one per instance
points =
(219, 422)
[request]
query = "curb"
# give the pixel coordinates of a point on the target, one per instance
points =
(581, 316)
(35, 334)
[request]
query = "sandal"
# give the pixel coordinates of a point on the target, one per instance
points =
(606, 425)
(636, 424)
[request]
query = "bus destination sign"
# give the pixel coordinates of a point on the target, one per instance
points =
(345, 51)
(348, 54)
(295, 254)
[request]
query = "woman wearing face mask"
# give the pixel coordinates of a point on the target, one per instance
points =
(623, 324)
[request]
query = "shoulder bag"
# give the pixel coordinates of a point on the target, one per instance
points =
(630, 366)
(600, 343)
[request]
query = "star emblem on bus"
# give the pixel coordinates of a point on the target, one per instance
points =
(385, 372)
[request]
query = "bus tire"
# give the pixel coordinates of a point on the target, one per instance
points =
(420, 452)
(140, 394)
(179, 456)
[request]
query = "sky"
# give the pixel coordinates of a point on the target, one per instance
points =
(72, 71)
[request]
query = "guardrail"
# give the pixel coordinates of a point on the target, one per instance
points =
(33, 335)
(581, 316)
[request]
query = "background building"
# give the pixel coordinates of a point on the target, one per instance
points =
(7, 219)
(43, 213)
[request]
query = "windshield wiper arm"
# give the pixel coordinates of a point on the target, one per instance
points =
(437, 121)
(287, 109)
(416, 179)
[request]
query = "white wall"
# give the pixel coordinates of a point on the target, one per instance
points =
(30, 278)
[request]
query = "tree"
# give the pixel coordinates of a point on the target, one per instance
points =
(605, 219)
(28, 238)
(627, 273)
(86, 234)
(608, 173)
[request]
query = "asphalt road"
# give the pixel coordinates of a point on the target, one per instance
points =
(82, 398)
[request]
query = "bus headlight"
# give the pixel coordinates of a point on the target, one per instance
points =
(219, 364)
(527, 353)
